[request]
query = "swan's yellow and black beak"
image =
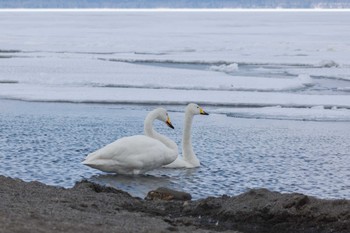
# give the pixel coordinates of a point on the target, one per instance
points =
(202, 112)
(168, 122)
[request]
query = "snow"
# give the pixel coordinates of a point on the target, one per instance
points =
(168, 96)
(173, 4)
(265, 37)
(232, 59)
(342, 73)
(317, 113)
(225, 68)
(76, 71)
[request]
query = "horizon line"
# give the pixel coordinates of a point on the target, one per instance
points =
(174, 9)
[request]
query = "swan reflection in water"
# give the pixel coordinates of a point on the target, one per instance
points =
(140, 185)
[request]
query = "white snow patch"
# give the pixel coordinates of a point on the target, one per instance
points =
(347, 89)
(305, 114)
(305, 80)
(225, 68)
(327, 64)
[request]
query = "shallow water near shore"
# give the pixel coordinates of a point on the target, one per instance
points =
(47, 141)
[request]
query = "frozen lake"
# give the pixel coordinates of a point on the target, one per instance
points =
(277, 86)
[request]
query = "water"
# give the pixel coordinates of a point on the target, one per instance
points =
(47, 142)
(297, 60)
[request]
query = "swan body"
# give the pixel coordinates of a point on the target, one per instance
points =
(189, 158)
(136, 154)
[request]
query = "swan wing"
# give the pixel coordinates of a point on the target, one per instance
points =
(135, 154)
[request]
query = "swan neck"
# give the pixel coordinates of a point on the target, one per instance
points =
(150, 132)
(148, 124)
(187, 149)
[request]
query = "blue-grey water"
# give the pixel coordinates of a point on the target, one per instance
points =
(47, 141)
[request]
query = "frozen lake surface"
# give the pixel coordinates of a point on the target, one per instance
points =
(254, 59)
(277, 85)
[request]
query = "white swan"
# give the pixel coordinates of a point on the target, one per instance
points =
(189, 158)
(136, 154)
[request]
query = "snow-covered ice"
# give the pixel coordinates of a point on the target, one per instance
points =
(317, 113)
(232, 59)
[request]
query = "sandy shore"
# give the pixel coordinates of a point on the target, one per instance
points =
(87, 207)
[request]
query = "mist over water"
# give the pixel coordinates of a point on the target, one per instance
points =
(47, 141)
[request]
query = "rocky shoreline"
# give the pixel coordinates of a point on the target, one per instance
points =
(88, 207)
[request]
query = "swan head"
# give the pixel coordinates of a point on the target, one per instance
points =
(195, 109)
(163, 115)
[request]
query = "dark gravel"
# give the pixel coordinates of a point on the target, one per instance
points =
(88, 207)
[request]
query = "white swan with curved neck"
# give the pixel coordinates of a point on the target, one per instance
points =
(189, 158)
(136, 154)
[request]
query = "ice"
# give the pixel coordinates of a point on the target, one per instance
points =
(261, 37)
(341, 73)
(167, 96)
(176, 5)
(316, 113)
(87, 72)
(327, 64)
(344, 88)
(305, 80)
(225, 68)
(232, 59)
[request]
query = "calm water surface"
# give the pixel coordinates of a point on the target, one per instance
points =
(47, 142)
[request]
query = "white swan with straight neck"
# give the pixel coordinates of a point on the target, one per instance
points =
(136, 154)
(189, 158)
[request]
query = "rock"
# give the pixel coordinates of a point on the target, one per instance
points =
(168, 195)
(88, 207)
